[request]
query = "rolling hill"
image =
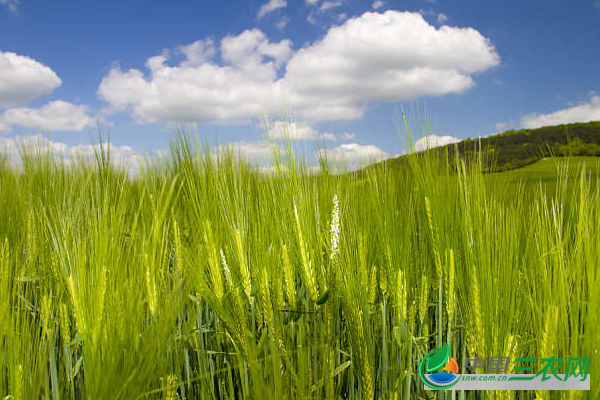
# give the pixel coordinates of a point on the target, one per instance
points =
(518, 148)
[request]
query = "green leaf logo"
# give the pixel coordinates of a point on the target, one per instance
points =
(437, 358)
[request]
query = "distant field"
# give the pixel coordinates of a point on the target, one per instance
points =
(545, 174)
(546, 170)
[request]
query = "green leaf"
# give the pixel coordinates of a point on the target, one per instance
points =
(341, 368)
(323, 297)
(437, 358)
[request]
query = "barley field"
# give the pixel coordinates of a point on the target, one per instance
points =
(203, 278)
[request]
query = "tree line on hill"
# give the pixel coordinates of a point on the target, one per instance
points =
(517, 148)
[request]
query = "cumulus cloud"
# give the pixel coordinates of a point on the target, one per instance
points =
(282, 23)
(442, 17)
(272, 5)
(257, 152)
(55, 116)
(23, 79)
(11, 4)
(501, 126)
(431, 141)
(376, 57)
(585, 112)
(233, 93)
(296, 131)
(121, 156)
(327, 5)
(378, 4)
(348, 136)
(354, 154)
(198, 52)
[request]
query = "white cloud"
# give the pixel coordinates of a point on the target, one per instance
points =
(585, 112)
(11, 4)
(355, 154)
(198, 52)
(376, 57)
(310, 18)
(270, 6)
(311, 2)
(57, 115)
(378, 4)
(282, 23)
(501, 126)
(327, 5)
(348, 136)
(259, 151)
(23, 79)
(296, 131)
(248, 51)
(121, 156)
(431, 141)
(4, 127)
(385, 57)
(233, 93)
(442, 17)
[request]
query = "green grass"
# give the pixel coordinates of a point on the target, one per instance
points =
(545, 175)
(547, 169)
(202, 278)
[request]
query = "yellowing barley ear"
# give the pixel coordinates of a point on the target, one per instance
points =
(46, 315)
(170, 387)
(31, 234)
(288, 277)
(150, 286)
(18, 383)
(265, 299)
(363, 270)
(65, 328)
(434, 239)
(244, 270)
(239, 310)
(101, 299)
(373, 287)
(401, 296)
(178, 247)
(547, 346)
(226, 270)
(309, 276)
(216, 275)
(424, 299)
(511, 351)
(79, 315)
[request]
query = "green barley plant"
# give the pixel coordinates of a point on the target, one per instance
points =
(202, 277)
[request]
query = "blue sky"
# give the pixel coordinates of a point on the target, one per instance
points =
(339, 70)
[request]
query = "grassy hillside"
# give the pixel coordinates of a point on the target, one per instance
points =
(517, 148)
(203, 279)
(547, 172)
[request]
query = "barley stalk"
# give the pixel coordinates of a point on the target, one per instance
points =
(307, 269)
(244, 270)
(213, 262)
